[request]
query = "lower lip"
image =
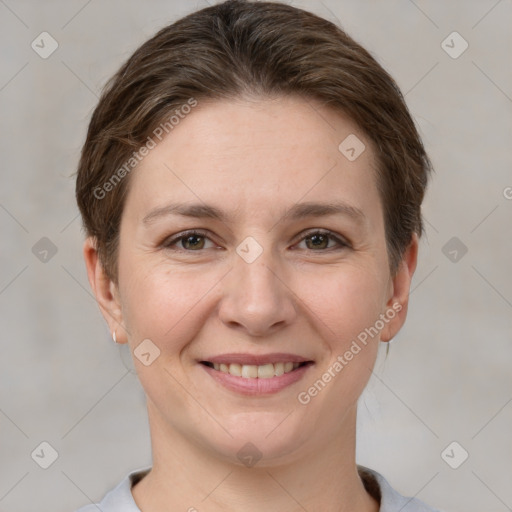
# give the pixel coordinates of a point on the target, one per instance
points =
(257, 386)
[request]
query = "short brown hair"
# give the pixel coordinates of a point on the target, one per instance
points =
(262, 49)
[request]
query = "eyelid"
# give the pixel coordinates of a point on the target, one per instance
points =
(171, 241)
(342, 242)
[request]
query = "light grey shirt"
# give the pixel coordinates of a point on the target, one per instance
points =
(120, 498)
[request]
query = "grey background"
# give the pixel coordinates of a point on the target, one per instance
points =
(447, 377)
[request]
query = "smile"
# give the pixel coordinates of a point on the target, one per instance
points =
(256, 379)
(252, 371)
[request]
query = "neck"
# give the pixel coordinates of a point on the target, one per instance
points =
(185, 476)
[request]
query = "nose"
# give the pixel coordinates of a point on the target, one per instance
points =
(258, 297)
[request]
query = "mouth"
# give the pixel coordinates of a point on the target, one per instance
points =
(256, 375)
(253, 371)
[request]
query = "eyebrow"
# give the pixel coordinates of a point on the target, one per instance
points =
(296, 212)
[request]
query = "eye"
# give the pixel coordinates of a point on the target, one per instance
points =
(191, 241)
(320, 240)
(195, 240)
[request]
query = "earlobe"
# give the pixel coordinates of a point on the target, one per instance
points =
(104, 290)
(397, 305)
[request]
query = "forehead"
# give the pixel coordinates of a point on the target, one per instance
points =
(253, 155)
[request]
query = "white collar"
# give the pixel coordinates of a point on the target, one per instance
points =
(120, 499)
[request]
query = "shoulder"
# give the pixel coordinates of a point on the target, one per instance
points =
(120, 498)
(390, 499)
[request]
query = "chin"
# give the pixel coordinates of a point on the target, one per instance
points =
(262, 438)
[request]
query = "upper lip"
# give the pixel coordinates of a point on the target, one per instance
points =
(254, 359)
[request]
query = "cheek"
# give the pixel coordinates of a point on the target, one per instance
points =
(170, 306)
(345, 308)
(166, 305)
(344, 301)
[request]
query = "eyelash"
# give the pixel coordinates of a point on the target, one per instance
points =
(170, 242)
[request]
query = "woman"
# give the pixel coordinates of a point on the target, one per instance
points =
(251, 189)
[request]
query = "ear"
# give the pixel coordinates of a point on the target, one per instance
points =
(398, 300)
(105, 290)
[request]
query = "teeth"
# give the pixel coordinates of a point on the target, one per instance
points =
(251, 371)
(235, 369)
(278, 369)
(266, 371)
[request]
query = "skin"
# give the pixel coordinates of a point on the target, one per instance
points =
(253, 158)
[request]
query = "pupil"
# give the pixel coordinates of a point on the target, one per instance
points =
(318, 238)
(192, 237)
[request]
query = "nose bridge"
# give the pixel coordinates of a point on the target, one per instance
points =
(256, 296)
(255, 279)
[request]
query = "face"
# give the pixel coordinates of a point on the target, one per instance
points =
(257, 319)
